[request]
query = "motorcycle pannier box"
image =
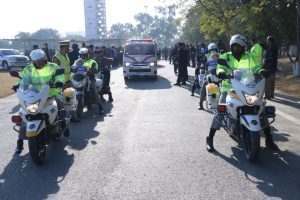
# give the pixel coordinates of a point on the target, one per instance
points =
(212, 95)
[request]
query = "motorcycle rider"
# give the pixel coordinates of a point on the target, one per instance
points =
(92, 67)
(210, 66)
(104, 68)
(40, 73)
(237, 58)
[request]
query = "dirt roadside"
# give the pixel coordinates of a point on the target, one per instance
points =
(6, 83)
(285, 81)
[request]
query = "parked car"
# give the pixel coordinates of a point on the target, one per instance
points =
(11, 58)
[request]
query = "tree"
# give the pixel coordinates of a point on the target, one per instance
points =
(121, 31)
(23, 35)
(46, 34)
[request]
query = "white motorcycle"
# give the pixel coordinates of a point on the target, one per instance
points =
(39, 116)
(81, 83)
(245, 114)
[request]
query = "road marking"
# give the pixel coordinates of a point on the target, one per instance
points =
(288, 117)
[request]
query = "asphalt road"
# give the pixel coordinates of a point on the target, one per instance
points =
(151, 145)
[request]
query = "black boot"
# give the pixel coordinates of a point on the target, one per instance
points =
(269, 140)
(110, 97)
(210, 140)
(101, 112)
(200, 107)
(67, 132)
(19, 146)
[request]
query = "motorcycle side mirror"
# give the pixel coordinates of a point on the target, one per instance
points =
(223, 62)
(59, 72)
(237, 74)
(15, 74)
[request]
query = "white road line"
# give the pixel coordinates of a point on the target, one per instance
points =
(288, 117)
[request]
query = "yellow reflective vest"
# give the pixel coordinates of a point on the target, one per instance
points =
(257, 52)
(39, 78)
(246, 61)
(64, 63)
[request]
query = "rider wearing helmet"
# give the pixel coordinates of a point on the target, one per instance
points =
(210, 66)
(236, 58)
(92, 67)
(39, 74)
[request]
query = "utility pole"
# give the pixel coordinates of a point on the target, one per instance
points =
(296, 65)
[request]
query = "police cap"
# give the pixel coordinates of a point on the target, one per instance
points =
(64, 43)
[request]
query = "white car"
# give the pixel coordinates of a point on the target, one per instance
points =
(10, 58)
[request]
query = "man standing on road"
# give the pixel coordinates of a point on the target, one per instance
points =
(270, 64)
(193, 55)
(104, 68)
(61, 59)
(182, 64)
(74, 54)
(257, 50)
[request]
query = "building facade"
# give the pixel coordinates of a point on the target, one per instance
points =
(95, 19)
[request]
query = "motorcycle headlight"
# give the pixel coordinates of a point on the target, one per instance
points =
(251, 99)
(152, 64)
(32, 108)
(127, 64)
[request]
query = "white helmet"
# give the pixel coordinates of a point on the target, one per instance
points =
(212, 46)
(238, 39)
(83, 50)
(37, 55)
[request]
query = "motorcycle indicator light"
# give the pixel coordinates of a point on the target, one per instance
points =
(251, 99)
(16, 119)
(221, 108)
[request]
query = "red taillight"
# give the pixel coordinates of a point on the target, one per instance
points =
(221, 108)
(16, 119)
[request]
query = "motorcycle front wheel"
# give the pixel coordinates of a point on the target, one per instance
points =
(37, 148)
(251, 141)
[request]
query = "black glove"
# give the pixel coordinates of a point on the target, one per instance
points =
(59, 84)
(265, 73)
(15, 87)
(222, 75)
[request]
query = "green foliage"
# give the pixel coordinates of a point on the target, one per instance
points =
(223, 18)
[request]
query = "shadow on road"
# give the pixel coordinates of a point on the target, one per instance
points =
(276, 174)
(21, 179)
(83, 135)
(147, 83)
(288, 103)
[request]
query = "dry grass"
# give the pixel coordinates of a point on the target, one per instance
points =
(285, 81)
(6, 82)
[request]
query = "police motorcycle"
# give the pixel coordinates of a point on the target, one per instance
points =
(81, 82)
(212, 87)
(39, 117)
(245, 112)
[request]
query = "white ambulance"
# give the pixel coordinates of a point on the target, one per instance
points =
(140, 58)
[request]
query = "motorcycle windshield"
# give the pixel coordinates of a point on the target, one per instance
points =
(26, 86)
(247, 77)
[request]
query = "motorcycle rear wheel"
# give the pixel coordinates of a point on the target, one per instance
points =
(37, 148)
(251, 142)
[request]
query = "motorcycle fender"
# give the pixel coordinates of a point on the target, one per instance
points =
(251, 122)
(33, 128)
